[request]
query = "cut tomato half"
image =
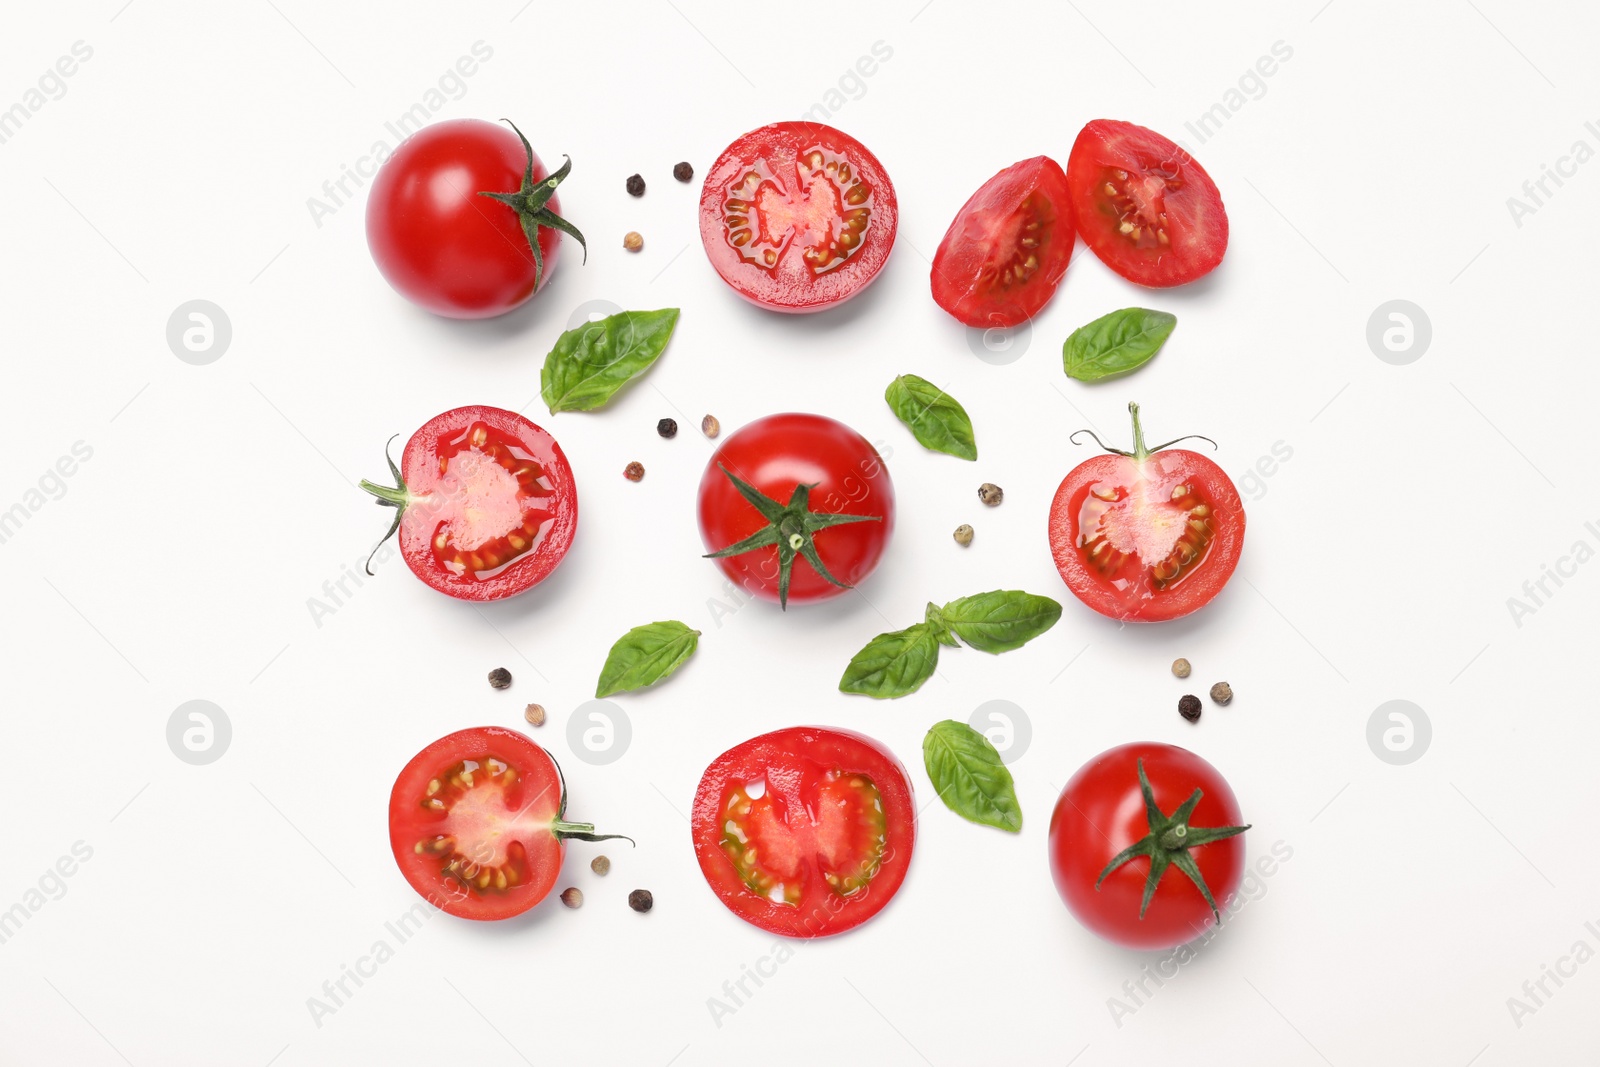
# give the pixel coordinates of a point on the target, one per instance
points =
(1147, 535)
(476, 822)
(487, 503)
(797, 216)
(805, 832)
(1144, 205)
(1005, 253)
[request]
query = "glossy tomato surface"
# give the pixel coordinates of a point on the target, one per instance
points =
(1101, 812)
(440, 244)
(470, 823)
(797, 216)
(1144, 205)
(1146, 540)
(774, 455)
(1005, 253)
(492, 506)
(805, 832)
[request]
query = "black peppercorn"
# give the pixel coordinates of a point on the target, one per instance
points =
(683, 172)
(636, 185)
(1189, 707)
(500, 678)
(667, 428)
(641, 900)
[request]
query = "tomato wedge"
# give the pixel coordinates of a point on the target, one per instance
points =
(487, 504)
(797, 216)
(1005, 253)
(1147, 535)
(805, 832)
(1145, 206)
(476, 822)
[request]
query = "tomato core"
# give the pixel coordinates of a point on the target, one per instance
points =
(1139, 526)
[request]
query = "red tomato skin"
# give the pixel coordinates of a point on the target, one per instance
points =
(1198, 237)
(957, 286)
(538, 772)
(1100, 813)
(440, 244)
(817, 915)
(774, 454)
(1198, 588)
(791, 288)
(419, 465)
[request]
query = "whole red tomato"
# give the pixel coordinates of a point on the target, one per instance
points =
(1147, 535)
(1144, 845)
(487, 504)
(796, 486)
(463, 219)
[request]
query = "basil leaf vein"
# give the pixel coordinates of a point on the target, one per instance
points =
(1000, 621)
(893, 664)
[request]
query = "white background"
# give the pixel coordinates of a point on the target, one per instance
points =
(179, 563)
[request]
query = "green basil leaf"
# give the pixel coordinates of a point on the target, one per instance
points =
(935, 419)
(1115, 344)
(1000, 621)
(592, 362)
(969, 776)
(645, 655)
(893, 664)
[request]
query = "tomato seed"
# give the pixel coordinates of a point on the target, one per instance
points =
(1222, 693)
(963, 535)
(991, 494)
(683, 172)
(600, 865)
(500, 678)
(636, 185)
(667, 428)
(1189, 707)
(633, 471)
(572, 897)
(632, 241)
(710, 426)
(534, 713)
(1180, 667)
(640, 900)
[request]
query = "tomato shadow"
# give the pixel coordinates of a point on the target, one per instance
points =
(865, 304)
(545, 314)
(1195, 292)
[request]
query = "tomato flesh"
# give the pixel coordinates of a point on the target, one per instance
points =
(1008, 248)
(1147, 540)
(805, 832)
(470, 821)
(797, 216)
(1101, 812)
(1144, 205)
(492, 503)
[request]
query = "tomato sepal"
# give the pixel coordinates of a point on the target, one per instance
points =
(1140, 449)
(1168, 843)
(790, 528)
(395, 496)
(529, 202)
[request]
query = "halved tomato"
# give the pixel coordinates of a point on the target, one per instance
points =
(487, 503)
(1145, 206)
(476, 822)
(1005, 253)
(805, 832)
(797, 216)
(1147, 535)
